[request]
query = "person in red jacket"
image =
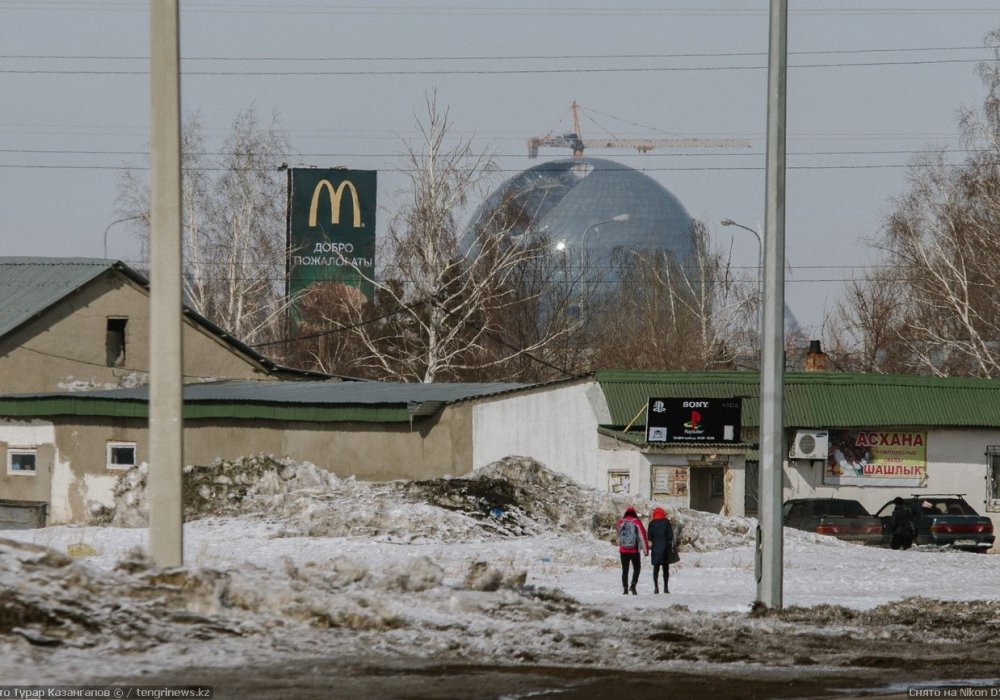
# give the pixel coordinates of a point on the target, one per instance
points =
(630, 530)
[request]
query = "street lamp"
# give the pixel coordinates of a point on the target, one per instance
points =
(760, 252)
(118, 221)
(619, 219)
(562, 244)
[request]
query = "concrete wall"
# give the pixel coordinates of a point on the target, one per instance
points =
(29, 435)
(556, 426)
(613, 457)
(617, 457)
(73, 476)
(65, 348)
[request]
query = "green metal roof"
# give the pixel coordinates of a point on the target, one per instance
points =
(365, 402)
(29, 286)
(818, 399)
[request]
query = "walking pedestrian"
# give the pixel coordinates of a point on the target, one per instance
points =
(661, 545)
(630, 530)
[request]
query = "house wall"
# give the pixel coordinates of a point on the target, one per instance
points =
(556, 426)
(641, 465)
(73, 476)
(35, 435)
(65, 348)
(956, 463)
(614, 458)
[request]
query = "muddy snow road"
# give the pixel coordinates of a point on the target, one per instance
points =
(828, 652)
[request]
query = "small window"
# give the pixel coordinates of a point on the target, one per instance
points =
(121, 455)
(619, 482)
(115, 341)
(21, 462)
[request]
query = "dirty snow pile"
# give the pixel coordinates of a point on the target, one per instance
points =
(512, 497)
(511, 564)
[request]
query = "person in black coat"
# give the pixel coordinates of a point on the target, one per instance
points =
(901, 525)
(661, 546)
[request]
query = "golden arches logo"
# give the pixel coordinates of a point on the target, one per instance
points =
(335, 194)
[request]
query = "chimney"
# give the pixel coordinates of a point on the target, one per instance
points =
(816, 359)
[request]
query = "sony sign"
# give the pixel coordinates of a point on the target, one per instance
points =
(693, 420)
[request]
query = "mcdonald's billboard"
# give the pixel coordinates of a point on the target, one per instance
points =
(331, 230)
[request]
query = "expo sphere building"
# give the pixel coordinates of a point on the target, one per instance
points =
(593, 207)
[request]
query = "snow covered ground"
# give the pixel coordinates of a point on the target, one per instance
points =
(512, 565)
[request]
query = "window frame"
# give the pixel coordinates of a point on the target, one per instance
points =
(619, 478)
(111, 445)
(717, 484)
(993, 478)
(11, 451)
(120, 334)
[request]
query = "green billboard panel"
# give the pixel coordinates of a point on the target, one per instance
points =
(331, 231)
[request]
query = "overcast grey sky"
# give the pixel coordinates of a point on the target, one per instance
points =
(870, 83)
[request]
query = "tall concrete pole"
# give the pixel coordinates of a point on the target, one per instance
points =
(772, 375)
(166, 429)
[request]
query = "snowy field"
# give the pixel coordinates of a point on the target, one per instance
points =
(511, 565)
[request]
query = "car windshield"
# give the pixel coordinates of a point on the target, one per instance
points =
(946, 506)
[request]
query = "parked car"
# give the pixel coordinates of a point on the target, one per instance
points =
(946, 520)
(842, 518)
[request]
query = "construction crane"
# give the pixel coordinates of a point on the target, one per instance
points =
(574, 141)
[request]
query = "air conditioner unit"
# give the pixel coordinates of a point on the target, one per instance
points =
(810, 444)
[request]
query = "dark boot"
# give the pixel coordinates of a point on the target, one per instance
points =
(624, 591)
(632, 590)
(656, 588)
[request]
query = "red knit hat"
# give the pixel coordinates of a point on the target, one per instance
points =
(659, 513)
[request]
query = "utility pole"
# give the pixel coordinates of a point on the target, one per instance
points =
(166, 429)
(772, 375)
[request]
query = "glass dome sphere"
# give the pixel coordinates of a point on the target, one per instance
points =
(594, 206)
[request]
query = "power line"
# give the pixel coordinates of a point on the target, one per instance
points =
(106, 366)
(732, 168)
(472, 71)
(538, 57)
(410, 9)
(722, 154)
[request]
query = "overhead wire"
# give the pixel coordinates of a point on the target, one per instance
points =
(472, 71)
(506, 57)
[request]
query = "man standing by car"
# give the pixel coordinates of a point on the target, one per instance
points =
(901, 526)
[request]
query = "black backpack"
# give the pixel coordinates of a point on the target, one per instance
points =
(628, 535)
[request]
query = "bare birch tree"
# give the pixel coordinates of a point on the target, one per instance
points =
(445, 295)
(941, 248)
(692, 314)
(233, 225)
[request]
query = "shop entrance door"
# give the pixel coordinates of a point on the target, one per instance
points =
(708, 490)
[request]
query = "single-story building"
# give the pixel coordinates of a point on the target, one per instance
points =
(68, 449)
(868, 437)
(862, 436)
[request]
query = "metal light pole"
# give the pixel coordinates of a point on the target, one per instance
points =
(620, 219)
(760, 253)
(116, 221)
